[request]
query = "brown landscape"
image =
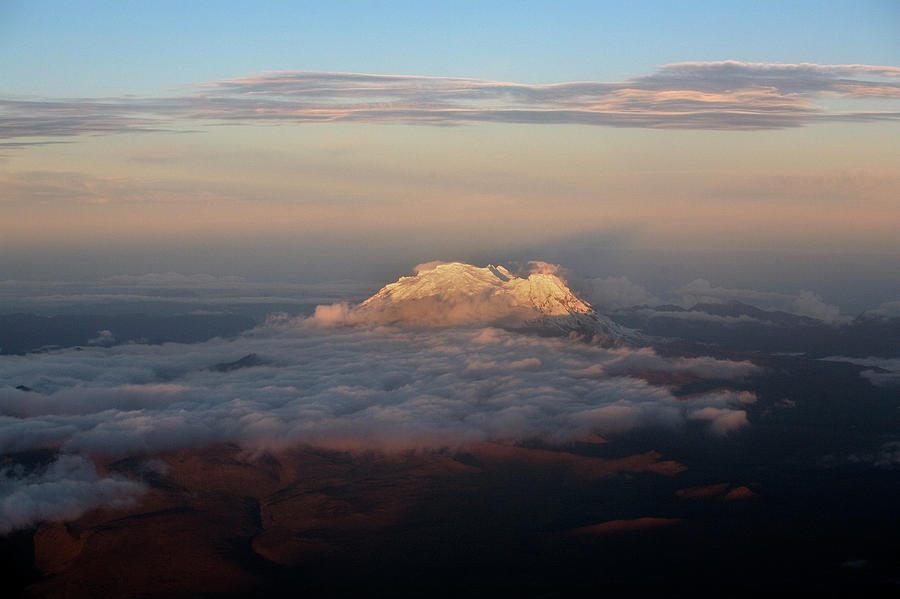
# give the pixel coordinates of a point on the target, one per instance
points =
(222, 519)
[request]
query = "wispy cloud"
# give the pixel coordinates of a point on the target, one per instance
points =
(689, 95)
(62, 490)
(54, 186)
(77, 116)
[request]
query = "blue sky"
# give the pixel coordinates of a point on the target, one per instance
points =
(111, 48)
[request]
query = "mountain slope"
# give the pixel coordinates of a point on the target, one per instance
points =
(462, 294)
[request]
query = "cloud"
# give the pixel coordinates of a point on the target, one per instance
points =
(701, 290)
(543, 268)
(645, 359)
(70, 187)
(884, 371)
(886, 310)
(811, 304)
(370, 387)
(887, 456)
(721, 421)
(806, 303)
(334, 314)
(63, 490)
(75, 116)
(425, 267)
(104, 337)
(853, 80)
(617, 292)
(363, 387)
(690, 95)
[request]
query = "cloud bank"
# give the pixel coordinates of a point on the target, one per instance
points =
(63, 490)
(805, 303)
(689, 95)
(613, 293)
(363, 387)
(351, 387)
(887, 310)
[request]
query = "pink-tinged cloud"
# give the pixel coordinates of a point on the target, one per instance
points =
(620, 526)
(691, 95)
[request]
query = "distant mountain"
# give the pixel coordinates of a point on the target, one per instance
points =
(736, 309)
(738, 326)
(463, 294)
(23, 333)
(248, 361)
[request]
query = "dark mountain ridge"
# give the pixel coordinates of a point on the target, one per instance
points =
(24, 333)
(742, 327)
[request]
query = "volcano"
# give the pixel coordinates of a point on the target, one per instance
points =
(458, 294)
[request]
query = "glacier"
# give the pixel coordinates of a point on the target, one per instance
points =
(459, 294)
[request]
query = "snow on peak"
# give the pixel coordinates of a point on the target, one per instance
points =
(443, 294)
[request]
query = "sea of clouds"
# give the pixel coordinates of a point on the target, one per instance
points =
(362, 387)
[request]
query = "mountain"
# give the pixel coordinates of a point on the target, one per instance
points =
(23, 333)
(738, 326)
(735, 309)
(462, 294)
(248, 361)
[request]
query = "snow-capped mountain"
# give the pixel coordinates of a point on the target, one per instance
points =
(462, 294)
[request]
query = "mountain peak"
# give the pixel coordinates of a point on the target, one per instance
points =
(455, 293)
(485, 294)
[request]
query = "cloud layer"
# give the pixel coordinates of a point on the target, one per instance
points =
(364, 387)
(689, 95)
(368, 387)
(63, 490)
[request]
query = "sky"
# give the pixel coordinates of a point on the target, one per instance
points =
(751, 146)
